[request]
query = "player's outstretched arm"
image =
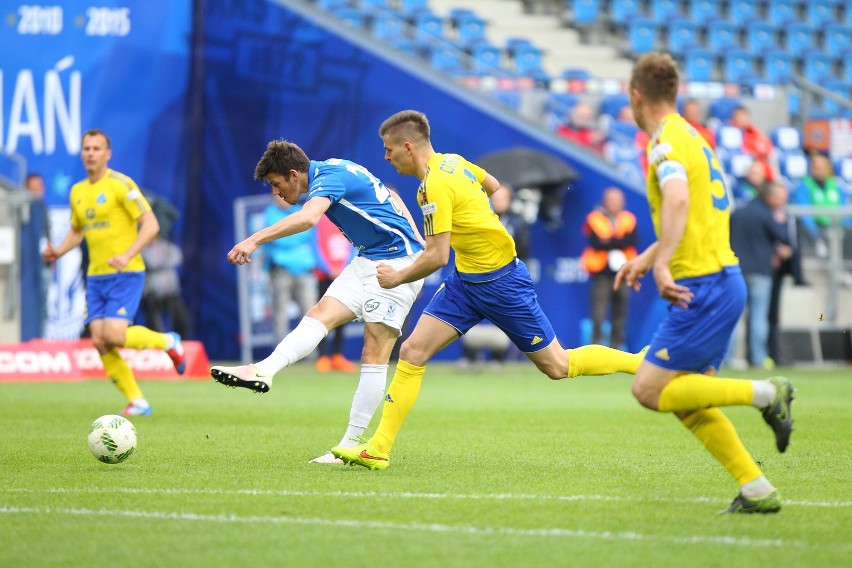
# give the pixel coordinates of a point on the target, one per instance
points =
(72, 240)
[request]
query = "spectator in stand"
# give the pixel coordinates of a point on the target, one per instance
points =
(612, 241)
(755, 142)
(692, 113)
(334, 251)
(819, 187)
(162, 292)
(582, 129)
(486, 338)
(758, 239)
(35, 275)
(748, 187)
(291, 264)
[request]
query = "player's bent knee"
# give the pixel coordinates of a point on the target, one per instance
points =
(647, 397)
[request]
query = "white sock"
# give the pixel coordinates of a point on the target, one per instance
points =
(368, 397)
(757, 488)
(295, 346)
(764, 392)
(170, 341)
(141, 403)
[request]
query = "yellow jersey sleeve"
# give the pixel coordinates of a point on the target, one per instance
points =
(678, 151)
(453, 200)
(107, 211)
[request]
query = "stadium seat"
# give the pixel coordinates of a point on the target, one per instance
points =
(786, 139)
(663, 11)
(527, 59)
(575, 73)
(799, 38)
(559, 107)
(782, 12)
(410, 46)
(410, 8)
(387, 27)
(641, 36)
(584, 13)
(722, 36)
(698, 64)
(817, 66)
(428, 26)
(743, 13)
(777, 67)
(611, 104)
(470, 29)
(722, 109)
(486, 59)
(843, 169)
(705, 11)
(622, 11)
(329, 5)
(448, 59)
(837, 41)
(729, 137)
(681, 34)
(793, 166)
(820, 13)
(840, 88)
(737, 66)
(352, 16)
(383, 4)
(760, 37)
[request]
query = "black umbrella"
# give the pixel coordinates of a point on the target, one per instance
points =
(527, 168)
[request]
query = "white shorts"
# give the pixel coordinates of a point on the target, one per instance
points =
(358, 289)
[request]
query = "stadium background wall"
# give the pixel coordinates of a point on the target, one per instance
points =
(190, 95)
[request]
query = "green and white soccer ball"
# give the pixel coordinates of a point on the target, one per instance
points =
(112, 438)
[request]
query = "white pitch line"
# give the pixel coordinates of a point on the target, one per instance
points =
(405, 495)
(414, 527)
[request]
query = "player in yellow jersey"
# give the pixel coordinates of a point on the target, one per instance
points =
(489, 281)
(110, 212)
(698, 274)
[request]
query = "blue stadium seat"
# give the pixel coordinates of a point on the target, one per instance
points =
(575, 73)
(838, 87)
(513, 43)
(729, 137)
(722, 36)
(782, 12)
(448, 59)
(681, 34)
(743, 13)
(778, 67)
(641, 35)
(428, 25)
(793, 166)
(847, 65)
(612, 104)
(511, 99)
(329, 5)
(722, 109)
(470, 29)
(705, 11)
(698, 64)
(528, 60)
(837, 39)
(622, 11)
(663, 11)
(737, 65)
(799, 38)
(760, 37)
(387, 27)
(559, 107)
(786, 138)
(584, 13)
(410, 8)
(486, 59)
(817, 66)
(843, 169)
(352, 16)
(369, 4)
(820, 12)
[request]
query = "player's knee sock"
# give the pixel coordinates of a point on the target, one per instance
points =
(120, 373)
(720, 438)
(402, 394)
(140, 337)
(601, 360)
(694, 391)
(367, 398)
(295, 346)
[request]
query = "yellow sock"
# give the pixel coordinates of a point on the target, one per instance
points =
(600, 360)
(139, 337)
(402, 394)
(718, 435)
(693, 392)
(121, 374)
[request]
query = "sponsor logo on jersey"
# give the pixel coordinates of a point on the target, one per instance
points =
(371, 305)
(101, 199)
(662, 354)
(429, 208)
(90, 213)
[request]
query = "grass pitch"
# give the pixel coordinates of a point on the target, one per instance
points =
(498, 469)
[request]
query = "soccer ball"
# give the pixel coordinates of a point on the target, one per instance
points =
(112, 438)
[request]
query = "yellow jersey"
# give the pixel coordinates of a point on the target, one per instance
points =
(678, 151)
(452, 199)
(107, 211)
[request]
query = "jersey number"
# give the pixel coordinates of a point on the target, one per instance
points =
(720, 203)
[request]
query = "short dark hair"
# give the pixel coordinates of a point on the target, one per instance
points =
(97, 132)
(407, 124)
(655, 76)
(280, 157)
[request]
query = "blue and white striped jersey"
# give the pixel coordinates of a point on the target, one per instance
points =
(362, 208)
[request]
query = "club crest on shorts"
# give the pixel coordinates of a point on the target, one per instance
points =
(371, 305)
(391, 313)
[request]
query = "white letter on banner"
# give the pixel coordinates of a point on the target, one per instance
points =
(56, 107)
(24, 97)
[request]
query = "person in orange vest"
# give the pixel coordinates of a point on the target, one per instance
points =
(612, 241)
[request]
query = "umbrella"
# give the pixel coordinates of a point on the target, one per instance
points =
(527, 168)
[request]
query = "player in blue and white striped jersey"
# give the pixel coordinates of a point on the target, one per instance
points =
(380, 228)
